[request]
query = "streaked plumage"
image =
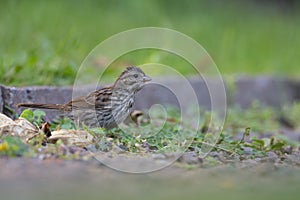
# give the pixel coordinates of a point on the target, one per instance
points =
(106, 107)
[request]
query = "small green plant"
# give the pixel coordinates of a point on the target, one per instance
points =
(63, 123)
(174, 136)
(35, 117)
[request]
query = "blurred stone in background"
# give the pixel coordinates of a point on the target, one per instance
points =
(269, 91)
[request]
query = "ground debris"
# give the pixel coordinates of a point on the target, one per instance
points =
(78, 138)
(20, 128)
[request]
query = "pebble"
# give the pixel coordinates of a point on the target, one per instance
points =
(190, 158)
(158, 156)
(248, 150)
(272, 154)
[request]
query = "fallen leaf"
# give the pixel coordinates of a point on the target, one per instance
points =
(72, 137)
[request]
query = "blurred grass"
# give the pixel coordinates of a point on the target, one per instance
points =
(44, 42)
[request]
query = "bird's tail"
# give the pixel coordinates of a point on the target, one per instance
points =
(42, 106)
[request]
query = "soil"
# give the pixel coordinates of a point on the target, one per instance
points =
(187, 178)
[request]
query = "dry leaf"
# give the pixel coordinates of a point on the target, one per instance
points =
(72, 137)
(5, 120)
(20, 127)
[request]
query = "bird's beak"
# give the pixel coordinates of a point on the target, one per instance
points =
(147, 79)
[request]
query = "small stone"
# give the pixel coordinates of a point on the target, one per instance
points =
(158, 156)
(271, 157)
(271, 154)
(247, 150)
(288, 150)
(123, 147)
(119, 149)
(257, 159)
(190, 158)
(214, 154)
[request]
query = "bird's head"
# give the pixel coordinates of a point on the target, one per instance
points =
(132, 79)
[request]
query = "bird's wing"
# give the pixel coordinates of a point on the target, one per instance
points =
(102, 97)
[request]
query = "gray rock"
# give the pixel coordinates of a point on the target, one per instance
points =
(269, 91)
(190, 158)
(11, 96)
(271, 156)
(214, 154)
(158, 156)
(248, 150)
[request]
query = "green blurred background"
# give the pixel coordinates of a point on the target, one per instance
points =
(44, 42)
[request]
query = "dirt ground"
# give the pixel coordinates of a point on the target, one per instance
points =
(24, 178)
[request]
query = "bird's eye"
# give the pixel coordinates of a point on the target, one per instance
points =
(135, 75)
